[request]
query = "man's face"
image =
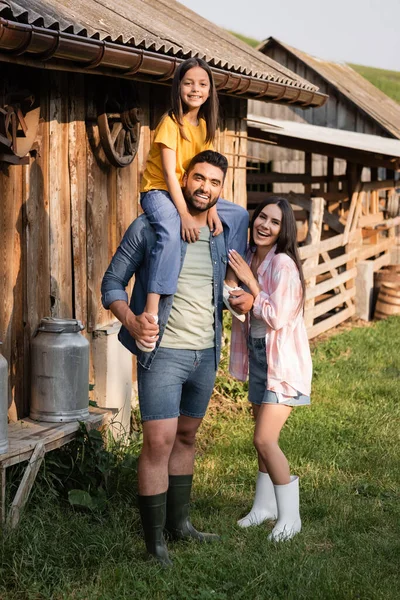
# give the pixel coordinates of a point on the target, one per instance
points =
(202, 186)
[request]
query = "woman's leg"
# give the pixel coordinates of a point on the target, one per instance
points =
(270, 420)
(264, 504)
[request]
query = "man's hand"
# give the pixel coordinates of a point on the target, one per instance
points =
(241, 301)
(142, 327)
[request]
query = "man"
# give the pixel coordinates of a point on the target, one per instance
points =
(176, 379)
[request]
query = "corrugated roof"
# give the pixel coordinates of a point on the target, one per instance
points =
(327, 135)
(163, 26)
(351, 84)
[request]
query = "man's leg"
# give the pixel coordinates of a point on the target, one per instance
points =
(160, 391)
(196, 394)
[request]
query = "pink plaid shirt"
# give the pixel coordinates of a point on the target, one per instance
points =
(287, 348)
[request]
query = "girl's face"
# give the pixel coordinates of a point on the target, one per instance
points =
(195, 88)
(267, 226)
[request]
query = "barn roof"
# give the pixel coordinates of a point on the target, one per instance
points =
(367, 98)
(161, 27)
(373, 150)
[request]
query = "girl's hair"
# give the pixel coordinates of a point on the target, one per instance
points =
(208, 111)
(287, 238)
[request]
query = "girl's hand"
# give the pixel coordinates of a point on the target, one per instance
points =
(214, 222)
(189, 229)
(243, 272)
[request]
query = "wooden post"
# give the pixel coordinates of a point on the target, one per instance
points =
(307, 171)
(314, 236)
(25, 486)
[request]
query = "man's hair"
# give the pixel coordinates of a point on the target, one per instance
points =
(212, 158)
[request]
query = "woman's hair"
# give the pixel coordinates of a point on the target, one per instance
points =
(287, 238)
(208, 111)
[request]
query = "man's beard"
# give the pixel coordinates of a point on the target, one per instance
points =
(197, 205)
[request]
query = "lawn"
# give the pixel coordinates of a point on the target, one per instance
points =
(387, 81)
(345, 450)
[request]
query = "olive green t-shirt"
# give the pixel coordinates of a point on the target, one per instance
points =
(190, 324)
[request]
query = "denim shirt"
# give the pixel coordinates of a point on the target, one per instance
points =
(132, 258)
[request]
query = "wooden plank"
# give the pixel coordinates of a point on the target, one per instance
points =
(11, 280)
(331, 322)
(239, 181)
(329, 219)
(314, 237)
(78, 178)
(325, 246)
(2, 495)
(374, 249)
(37, 224)
(372, 219)
(387, 184)
(98, 169)
(61, 284)
(337, 300)
(25, 486)
(330, 284)
(382, 261)
(333, 263)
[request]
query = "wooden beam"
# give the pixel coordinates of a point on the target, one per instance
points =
(370, 159)
(25, 486)
(327, 305)
(314, 236)
(331, 322)
(330, 284)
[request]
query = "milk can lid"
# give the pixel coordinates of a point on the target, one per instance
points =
(54, 325)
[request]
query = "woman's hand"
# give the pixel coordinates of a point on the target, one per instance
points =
(189, 229)
(214, 222)
(243, 272)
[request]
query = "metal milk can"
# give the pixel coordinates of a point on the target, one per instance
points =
(60, 372)
(3, 404)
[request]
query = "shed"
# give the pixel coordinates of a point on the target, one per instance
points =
(82, 87)
(339, 165)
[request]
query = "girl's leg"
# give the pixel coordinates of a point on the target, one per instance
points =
(270, 420)
(165, 255)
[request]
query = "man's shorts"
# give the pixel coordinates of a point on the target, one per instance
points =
(258, 378)
(179, 382)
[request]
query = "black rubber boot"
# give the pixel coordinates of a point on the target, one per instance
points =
(152, 512)
(178, 525)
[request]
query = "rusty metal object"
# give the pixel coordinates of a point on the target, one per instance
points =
(119, 126)
(19, 122)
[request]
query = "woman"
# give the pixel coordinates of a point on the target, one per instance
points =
(272, 347)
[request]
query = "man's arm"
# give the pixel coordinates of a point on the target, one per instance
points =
(125, 262)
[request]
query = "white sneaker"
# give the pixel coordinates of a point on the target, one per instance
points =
(226, 293)
(147, 348)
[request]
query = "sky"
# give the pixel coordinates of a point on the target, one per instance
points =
(365, 32)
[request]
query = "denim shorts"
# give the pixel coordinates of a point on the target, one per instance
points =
(179, 382)
(258, 393)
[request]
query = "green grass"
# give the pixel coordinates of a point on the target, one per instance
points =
(387, 81)
(345, 450)
(248, 40)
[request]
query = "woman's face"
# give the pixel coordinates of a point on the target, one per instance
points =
(267, 226)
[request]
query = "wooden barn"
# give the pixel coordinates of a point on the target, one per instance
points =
(82, 87)
(339, 165)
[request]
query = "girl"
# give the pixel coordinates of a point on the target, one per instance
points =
(273, 347)
(187, 129)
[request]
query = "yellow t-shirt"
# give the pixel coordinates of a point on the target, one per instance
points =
(168, 133)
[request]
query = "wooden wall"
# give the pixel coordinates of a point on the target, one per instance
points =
(63, 215)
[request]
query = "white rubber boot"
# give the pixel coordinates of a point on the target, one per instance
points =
(226, 292)
(289, 522)
(264, 505)
(146, 348)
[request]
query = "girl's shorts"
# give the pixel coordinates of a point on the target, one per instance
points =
(258, 393)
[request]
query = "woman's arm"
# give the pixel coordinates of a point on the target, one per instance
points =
(190, 231)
